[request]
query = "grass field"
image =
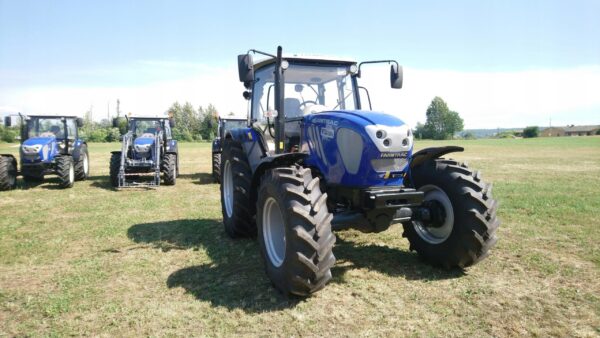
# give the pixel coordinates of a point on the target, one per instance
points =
(95, 261)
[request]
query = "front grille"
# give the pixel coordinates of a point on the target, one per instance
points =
(389, 164)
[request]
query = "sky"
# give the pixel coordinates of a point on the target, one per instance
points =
(497, 63)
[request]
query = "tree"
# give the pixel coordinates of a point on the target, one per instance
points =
(209, 122)
(532, 131)
(442, 123)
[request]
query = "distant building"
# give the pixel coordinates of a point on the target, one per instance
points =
(571, 130)
(553, 131)
(581, 130)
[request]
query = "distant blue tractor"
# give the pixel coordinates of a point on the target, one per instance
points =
(147, 150)
(225, 124)
(50, 145)
(313, 160)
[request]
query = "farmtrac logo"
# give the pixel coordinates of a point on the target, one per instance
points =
(403, 154)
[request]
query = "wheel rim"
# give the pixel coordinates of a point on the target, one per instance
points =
(436, 235)
(228, 189)
(86, 165)
(273, 232)
(71, 174)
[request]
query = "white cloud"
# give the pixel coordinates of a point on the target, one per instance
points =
(483, 99)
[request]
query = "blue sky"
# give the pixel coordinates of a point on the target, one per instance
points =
(64, 47)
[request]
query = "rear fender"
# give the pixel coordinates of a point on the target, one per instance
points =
(427, 154)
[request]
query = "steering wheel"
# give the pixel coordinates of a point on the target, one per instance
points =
(314, 103)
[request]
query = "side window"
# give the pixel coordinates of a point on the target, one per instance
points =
(71, 128)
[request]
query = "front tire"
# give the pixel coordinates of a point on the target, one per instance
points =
(294, 231)
(216, 167)
(65, 169)
(468, 227)
(8, 173)
(169, 169)
(82, 166)
(115, 166)
(238, 211)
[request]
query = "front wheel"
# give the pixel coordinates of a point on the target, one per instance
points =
(462, 225)
(294, 230)
(65, 169)
(82, 166)
(8, 173)
(169, 169)
(115, 166)
(216, 167)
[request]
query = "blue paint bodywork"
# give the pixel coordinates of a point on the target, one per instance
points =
(322, 151)
(48, 150)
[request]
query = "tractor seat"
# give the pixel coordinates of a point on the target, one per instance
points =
(291, 107)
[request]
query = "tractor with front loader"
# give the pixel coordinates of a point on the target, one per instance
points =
(225, 124)
(50, 145)
(147, 150)
(315, 158)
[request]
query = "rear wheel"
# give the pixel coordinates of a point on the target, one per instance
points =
(238, 211)
(115, 166)
(463, 228)
(8, 173)
(294, 230)
(169, 169)
(82, 166)
(216, 167)
(65, 169)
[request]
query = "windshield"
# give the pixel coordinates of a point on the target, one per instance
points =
(149, 127)
(308, 88)
(50, 127)
(233, 124)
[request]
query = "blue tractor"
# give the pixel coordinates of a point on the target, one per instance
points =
(50, 145)
(225, 124)
(314, 158)
(147, 150)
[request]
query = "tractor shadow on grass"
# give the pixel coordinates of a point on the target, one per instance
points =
(390, 261)
(198, 178)
(101, 182)
(232, 277)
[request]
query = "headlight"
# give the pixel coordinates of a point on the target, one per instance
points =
(391, 139)
(34, 149)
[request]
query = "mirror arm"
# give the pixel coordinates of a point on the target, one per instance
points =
(376, 61)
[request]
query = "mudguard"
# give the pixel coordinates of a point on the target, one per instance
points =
(268, 162)
(426, 154)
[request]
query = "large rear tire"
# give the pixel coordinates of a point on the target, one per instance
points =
(169, 169)
(468, 227)
(65, 169)
(216, 167)
(8, 173)
(82, 166)
(115, 166)
(294, 230)
(238, 211)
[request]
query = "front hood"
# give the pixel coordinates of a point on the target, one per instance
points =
(42, 141)
(361, 117)
(143, 141)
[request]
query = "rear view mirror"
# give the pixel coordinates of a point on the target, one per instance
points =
(7, 121)
(171, 122)
(396, 76)
(246, 69)
(79, 122)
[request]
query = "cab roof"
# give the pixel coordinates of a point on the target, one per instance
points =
(311, 59)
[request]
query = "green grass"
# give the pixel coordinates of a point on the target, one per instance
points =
(95, 261)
